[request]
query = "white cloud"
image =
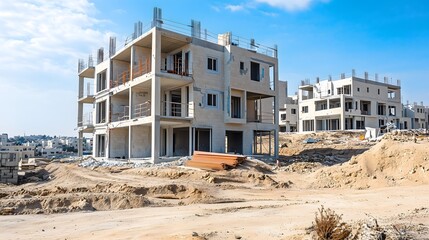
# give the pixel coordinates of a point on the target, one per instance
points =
(235, 8)
(290, 5)
(41, 41)
(44, 35)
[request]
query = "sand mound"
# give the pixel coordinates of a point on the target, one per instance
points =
(388, 163)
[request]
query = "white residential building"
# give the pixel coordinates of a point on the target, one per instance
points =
(418, 115)
(168, 93)
(350, 103)
(3, 138)
(288, 109)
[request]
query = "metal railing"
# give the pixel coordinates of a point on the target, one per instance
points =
(122, 115)
(141, 68)
(175, 109)
(121, 78)
(87, 120)
(142, 110)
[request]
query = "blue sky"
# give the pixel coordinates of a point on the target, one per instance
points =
(42, 41)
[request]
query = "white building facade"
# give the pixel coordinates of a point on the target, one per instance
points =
(349, 104)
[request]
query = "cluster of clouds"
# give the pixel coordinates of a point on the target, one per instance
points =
(41, 41)
(287, 5)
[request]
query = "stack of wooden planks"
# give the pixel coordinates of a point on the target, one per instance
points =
(214, 161)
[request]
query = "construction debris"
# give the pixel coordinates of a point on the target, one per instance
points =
(214, 161)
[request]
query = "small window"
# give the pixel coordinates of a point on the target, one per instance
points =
(212, 64)
(293, 111)
(254, 71)
(379, 91)
(329, 91)
(358, 89)
(241, 65)
(283, 116)
(305, 109)
(367, 89)
(212, 100)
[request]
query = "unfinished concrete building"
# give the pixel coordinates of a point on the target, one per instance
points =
(288, 109)
(418, 114)
(169, 92)
(350, 103)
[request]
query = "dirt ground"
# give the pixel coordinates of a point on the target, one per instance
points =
(376, 187)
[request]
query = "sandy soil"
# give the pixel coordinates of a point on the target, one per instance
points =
(387, 181)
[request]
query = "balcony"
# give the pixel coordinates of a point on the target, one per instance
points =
(121, 115)
(142, 110)
(86, 124)
(141, 68)
(175, 109)
(86, 95)
(120, 79)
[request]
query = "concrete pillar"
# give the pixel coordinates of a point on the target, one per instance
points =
(156, 95)
(80, 144)
(130, 141)
(133, 50)
(79, 114)
(81, 83)
(276, 112)
(183, 102)
(169, 141)
(245, 105)
(168, 103)
(342, 118)
(190, 141)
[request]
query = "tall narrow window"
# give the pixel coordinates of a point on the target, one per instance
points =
(212, 100)
(235, 107)
(101, 112)
(254, 71)
(101, 81)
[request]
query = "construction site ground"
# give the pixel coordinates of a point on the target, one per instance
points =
(375, 186)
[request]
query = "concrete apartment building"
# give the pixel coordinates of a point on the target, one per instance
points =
(350, 103)
(169, 92)
(288, 109)
(418, 114)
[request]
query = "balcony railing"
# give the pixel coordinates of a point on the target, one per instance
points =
(122, 115)
(142, 110)
(174, 109)
(87, 120)
(88, 91)
(121, 78)
(141, 68)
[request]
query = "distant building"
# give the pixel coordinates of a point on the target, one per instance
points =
(21, 151)
(418, 115)
(3, 139)
(350, 103)
(288, 109)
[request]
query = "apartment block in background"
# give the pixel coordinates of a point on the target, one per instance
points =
(350, 103)
(173, 89)
(288, 109)
(418, 114)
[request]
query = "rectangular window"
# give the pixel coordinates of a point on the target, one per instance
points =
(212, 100)
(305, 109)
(367, 89)
(235, 107)
(101, 81)
(241, 65)
(358, 89)
(378, 91)
(283, 116)
(293, 111)
(254, 71)
(212, 64)
(101, 112)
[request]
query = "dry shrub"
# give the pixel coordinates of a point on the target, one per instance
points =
(329, 226)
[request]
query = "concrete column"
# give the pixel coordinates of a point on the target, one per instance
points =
(169, 141)
(276, 112)
(80, 144)
(226, 68)
(342, 118)
(183, 102)
(190, 141)
(81, 83)
(79, 114)
(130, 141)
(168, 103)
(133, 50)
(156, 95)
